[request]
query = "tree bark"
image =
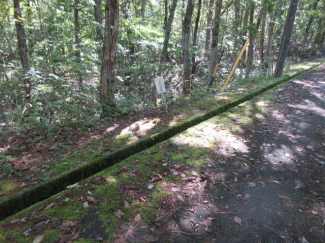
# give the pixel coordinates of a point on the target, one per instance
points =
(250, 52)
(143, 8)
(98, 19)
(107, 77)
(77, 38)
(262, 37)
(215, 37)
(310, 21)
(186, 32)
(208, 30)
(196, 29)
(320, 34)
(168, 20)
(22, 46)
(253, 30)
(286, 36)
(168, 28)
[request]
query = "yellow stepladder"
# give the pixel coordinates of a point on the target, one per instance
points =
(235, 66)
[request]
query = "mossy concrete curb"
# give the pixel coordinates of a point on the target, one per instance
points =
(53, 186)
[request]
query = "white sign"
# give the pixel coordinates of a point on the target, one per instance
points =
(160, 85)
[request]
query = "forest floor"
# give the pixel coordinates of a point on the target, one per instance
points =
(252, 174)
(32, 157)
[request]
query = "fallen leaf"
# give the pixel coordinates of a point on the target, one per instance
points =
(91, 199)
(150, 186)
(26, 232)
(137, 218)
(72, 186)
(237, 220)
(155, 177)
(70, 224)
(194, 173)
(23, 184)
(38, 239)
(15, 221)
(99, 180)
(150, 238)
(119, 213)
(314, 212)
(49, 206)
(303, 240)
(180, 198)
(75, 237)
(252, 184)
(126, 204)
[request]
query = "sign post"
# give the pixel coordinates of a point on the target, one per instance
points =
(160, 86)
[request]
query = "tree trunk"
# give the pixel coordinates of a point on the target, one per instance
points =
(98, 19)
(107, 78)
(245, 23)
(269, 39)
(320, 34)
(208, 30)
(22, 46)
(262, 36)
(252, 34)
(287, 31)
(77, 39)
(196, 28)
(250, 52)
(143, 8)
(168, 27)
(215, 37)
(186, 32)
(310, 21)
(164, 53)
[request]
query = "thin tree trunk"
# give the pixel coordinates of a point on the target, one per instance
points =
(164, 52)
(143, 8)
(215, 37)
(269, 38)
(320, 34)
(22, 46)
(98, 19)
(252, 34)
(286, 36)
(166, 14)
(107, 78)
(77, 38)
(250, 52)
(186, 32)
(168, 27)
(196, 28)
(310, 21)
(262, 36)
(208, 30)
(245, 23)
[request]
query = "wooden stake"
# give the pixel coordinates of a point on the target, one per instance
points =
(235, 66)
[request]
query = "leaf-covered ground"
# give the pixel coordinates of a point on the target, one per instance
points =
(253, 174)
(33, 157)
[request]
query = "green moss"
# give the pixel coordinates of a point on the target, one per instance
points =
(51, 236)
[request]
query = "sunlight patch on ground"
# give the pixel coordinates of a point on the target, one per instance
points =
(176, 120)
(136, 130)
(278, 156)
(209, 136)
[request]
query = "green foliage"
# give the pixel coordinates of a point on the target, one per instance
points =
(5, 166)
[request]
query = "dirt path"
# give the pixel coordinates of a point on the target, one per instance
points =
(276, 190)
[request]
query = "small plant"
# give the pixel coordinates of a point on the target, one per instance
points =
(5, 167)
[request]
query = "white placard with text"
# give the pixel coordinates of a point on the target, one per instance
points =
(160, 85)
